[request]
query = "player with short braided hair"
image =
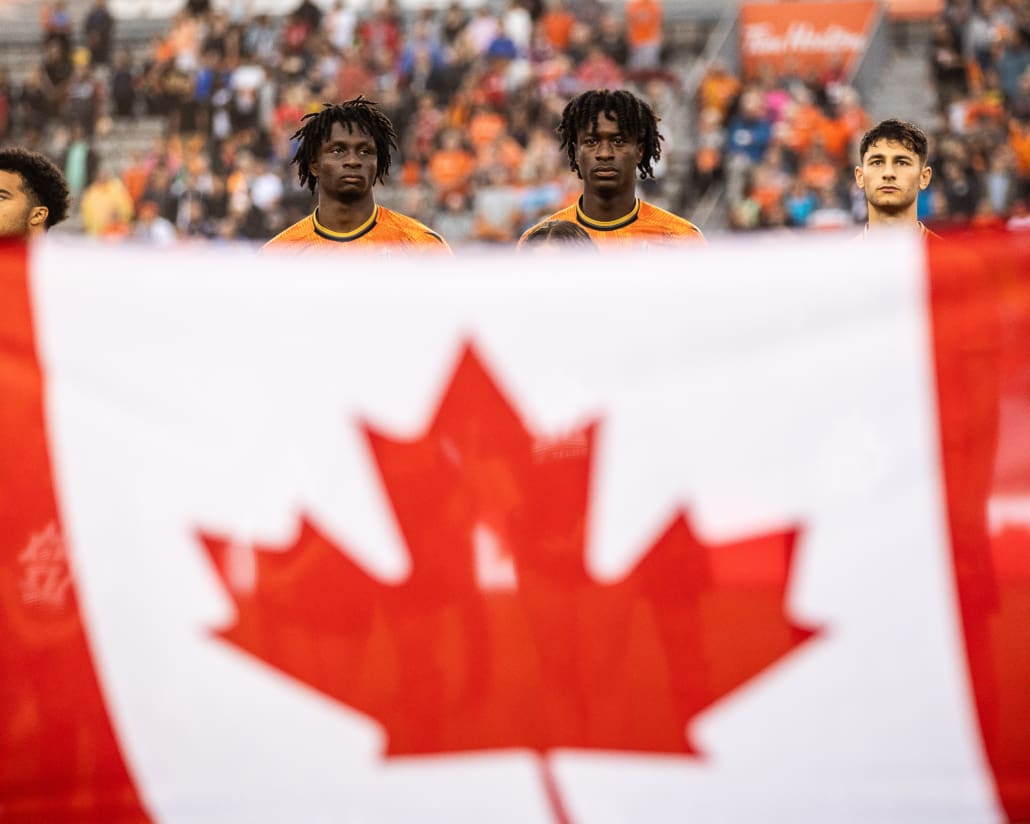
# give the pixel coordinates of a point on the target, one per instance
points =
(343, 151)
(634, 115)
(611, 137)
(358, 113)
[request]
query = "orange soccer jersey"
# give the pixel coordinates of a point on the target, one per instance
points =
(644, 225)
(383, 228)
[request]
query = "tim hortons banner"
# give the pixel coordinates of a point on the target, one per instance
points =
(733, 534)
(802, 36)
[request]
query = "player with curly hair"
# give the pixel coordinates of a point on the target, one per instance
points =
(611, 137)
(34, 195)
(343, 151)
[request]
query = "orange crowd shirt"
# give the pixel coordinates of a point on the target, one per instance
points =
(643, 22)
(557, 28)
(384, 228)
(450, 169)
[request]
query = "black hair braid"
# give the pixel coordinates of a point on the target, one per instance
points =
(634, 116)
(359, 112)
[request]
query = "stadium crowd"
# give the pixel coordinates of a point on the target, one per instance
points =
(475, 96)
(785, 145)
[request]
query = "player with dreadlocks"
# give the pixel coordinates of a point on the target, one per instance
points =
(344, 150)
(33, 193)
(610, 137)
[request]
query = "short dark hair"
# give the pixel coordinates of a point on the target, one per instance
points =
(633, 115)
(359, 112)
(907, 134)
(44, 183)
(564, 231)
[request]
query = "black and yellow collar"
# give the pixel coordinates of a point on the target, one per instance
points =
(607, 225)
(344, 237)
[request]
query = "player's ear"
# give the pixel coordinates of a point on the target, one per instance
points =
(37, 218)
(859, 178)
(924, 177)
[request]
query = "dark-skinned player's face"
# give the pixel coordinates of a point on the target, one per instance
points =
(607, 157)
(18, 215)
(346, 164)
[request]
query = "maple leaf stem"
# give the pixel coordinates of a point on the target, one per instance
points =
(561, 815)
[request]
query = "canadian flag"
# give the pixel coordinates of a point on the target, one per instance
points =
(731, 534)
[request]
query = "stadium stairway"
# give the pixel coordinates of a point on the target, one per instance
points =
(905, 87)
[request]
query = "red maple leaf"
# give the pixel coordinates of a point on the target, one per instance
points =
(499, 637)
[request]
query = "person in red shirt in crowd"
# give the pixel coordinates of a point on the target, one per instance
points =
(892, 173)
(609, 137)
(344, 151)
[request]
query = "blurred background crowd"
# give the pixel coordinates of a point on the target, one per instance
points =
(188, 134)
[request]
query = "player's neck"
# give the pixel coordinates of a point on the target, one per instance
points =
(602, 208)
(892, 220)
(345, 216)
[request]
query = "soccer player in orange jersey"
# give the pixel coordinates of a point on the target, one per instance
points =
(893, 171)
(33, 193)
(344, 151)
(609, 137)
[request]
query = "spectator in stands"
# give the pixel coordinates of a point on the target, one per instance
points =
(949, 69)
(151, 227)
(84, 93)
(644, 33)
(33, 193)
(80, 161)
(341, 23)
(556, 25)
(749, 132)
(892, 172)
(97, 31)
(456, 221)
(107, 208)
(611, 38)
(123, 85)
(57, 71)
(198, 8)
(343, 151)
(57, 24)
(35, 105)
(451, 167)
(608, 137)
